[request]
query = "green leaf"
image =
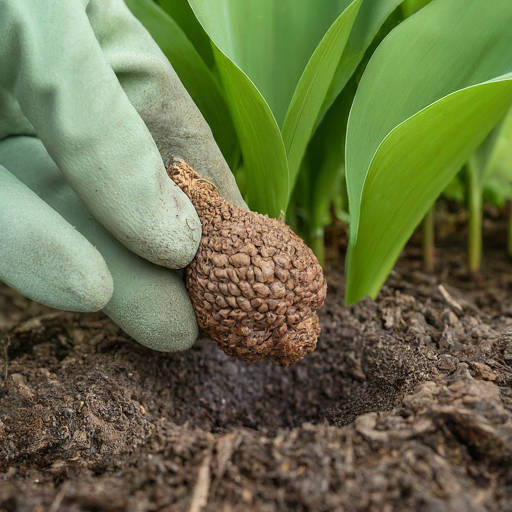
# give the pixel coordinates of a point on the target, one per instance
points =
(492, 164)
(481, 158)
(313, 86)
(430, 94)
(262, 146)
(321, 180)
(192, 71)
(411, 6)
(370, 18)
(182, 14)
(498, 164)
(325, 162)
(270, 40)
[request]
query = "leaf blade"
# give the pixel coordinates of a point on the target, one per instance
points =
(260, 139)
(182, 14)
(367, 268)
(271, 41)
(370, 18)
(312, 88)
(443, 53)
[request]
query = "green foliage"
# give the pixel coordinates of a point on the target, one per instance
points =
(260, 57)
(264, 155)
(182, 14)
(283, 82)
(496, 181)
(373, 21)
(312, 88)
(322, 178)
(425, 102)
(409, 7)
(489, 173)
(282, 64)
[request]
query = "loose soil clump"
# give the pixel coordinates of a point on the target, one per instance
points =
(406, 404)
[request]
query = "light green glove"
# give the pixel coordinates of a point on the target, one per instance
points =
(87, 79)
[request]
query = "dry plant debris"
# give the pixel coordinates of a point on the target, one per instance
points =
(254, 283)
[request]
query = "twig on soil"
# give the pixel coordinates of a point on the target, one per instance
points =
(448, 298)
(202, 488)
(225, 447)
(349, 455)
(59, 497)
(5, 346)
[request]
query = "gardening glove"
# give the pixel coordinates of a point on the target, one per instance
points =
(87, 79)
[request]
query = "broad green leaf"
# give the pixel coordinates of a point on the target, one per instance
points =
(192, 71)
(325, 161)
(412, 6)
(270, 40)
(260, 139)
(395, 199)
(430, 94)
(370, 18)
(312, 88)
(182, 14)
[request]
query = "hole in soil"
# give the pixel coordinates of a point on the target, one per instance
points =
(367, 358)
(218, 394)
(357, 367)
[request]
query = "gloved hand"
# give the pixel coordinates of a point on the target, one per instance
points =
(88, 81)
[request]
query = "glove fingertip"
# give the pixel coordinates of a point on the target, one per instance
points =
(153, 307)
(91, 293)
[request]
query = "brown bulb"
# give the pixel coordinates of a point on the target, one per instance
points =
(254, 284)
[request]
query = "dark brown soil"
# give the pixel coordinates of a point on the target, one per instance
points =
(406, 404)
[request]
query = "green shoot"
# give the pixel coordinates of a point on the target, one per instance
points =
(428, 241)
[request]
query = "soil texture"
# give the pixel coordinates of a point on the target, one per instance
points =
(406, 404)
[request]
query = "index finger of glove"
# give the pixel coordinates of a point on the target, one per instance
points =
(153, 87)
(80, 112)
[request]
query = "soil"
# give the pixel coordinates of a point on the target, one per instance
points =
(406, 404)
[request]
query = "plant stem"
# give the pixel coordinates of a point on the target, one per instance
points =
(509, 244)
(317, 245)
(428, 242)
(5, 346)
(475, 220)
